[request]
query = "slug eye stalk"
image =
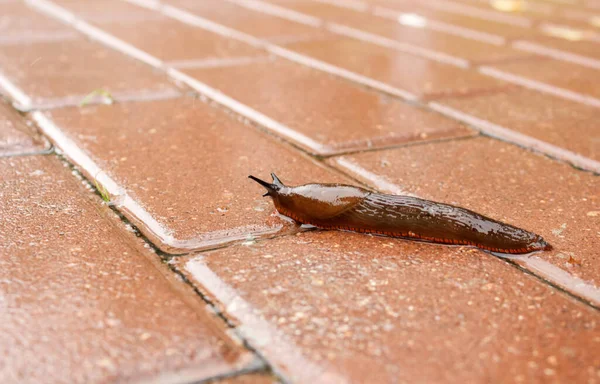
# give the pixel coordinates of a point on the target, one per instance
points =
(271, 188)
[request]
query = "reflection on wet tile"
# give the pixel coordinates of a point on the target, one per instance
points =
(423, 77)
(335, 115)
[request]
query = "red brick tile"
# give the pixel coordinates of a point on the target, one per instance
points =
(187, 164)
(426, 78)
(334, 114)
(252, 22)
(422, 37)
(81, 303)
(545, 117)
(63, 73)
(510, 184)
(172, 40)
(569, 76)
(20, 24)
(16, 137)
(374, 309)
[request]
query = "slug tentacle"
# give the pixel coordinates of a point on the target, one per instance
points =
(344, 207)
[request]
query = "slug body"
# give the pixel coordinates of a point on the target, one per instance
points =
(345, 207)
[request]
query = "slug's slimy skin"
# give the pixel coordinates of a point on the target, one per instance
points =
(344, 207)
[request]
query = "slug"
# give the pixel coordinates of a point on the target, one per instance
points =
(345, 207)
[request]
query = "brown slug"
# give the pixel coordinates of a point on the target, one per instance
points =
(345, 207)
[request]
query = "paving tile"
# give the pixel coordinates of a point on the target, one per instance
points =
(374, 309)
(65, 72)
(507, 183)
(469, 49)
(252, 22)
(187, 164)
(157, 37)
(81, 303)
(333, 113)
(569, 76)
(545, 117)
(16, 137)
(425, 78)
(20, 24)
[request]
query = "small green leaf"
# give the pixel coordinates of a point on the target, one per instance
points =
(107, 96)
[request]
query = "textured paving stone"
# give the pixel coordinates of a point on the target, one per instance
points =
(585, 48)
(252, 22)
(545, 117)
(374, 309)
(509, 184)
(569, 76)
(65, 72)
(79, 302)
(16, 137)
(187, 164)
(469, 49)
(425, 78)
(108, 11)
(172, 40)
(335, 114)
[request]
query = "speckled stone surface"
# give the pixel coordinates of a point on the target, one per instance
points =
(16, 137)
(380, 310)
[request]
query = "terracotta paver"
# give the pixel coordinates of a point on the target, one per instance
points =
(252, 22)
(545, 117)
(336, 115)
(374, 309)
(187, 163)
(61, 73)
(586, 48)
(79, 301)
(565, 75)
(16, 137)
(20, 25)
(506, 183)
(157, 37)
(438, 41)
(425, 78)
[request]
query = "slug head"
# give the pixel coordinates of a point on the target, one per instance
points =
(309, 202)
(272, 189)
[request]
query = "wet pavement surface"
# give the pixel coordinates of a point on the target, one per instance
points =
(185, 273)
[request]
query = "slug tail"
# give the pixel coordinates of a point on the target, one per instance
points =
(271, 188)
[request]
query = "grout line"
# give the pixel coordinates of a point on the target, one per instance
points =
(474, 12)
(18, 96)
(278, 11)
(355, 5)
(541, 87)
(380, 182)
(41, 152)
(217, 62)
(557, 54)
(513, 137)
